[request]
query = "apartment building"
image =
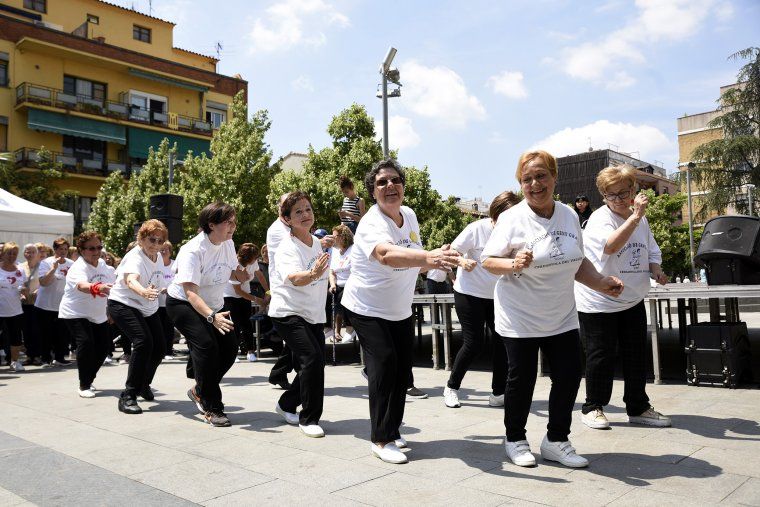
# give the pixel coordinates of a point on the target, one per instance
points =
(98, 85)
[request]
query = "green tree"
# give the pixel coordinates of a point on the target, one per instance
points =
(673, 240)
(39, 185)
(723, 166)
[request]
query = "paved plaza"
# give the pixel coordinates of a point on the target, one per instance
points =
(59, 449)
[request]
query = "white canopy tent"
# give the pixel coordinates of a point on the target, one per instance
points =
(25, 222)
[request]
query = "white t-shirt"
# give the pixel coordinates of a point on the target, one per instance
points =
(168, 278)
(49, 297)
(81, 305)
(470, 242)
(307, 301)
(341, 264)
(229, 289)
(275, 234)
(151, 273)
(540, 301)
(373, 289)
(11, 283)
(436, 275)
(630, 263)
(208, 266)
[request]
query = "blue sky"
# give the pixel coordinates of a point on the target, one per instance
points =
(483, 80)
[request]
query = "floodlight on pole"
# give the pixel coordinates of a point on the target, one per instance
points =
(389, 56)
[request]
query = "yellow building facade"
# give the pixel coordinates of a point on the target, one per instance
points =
(98, 85)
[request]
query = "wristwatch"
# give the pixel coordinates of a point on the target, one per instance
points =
(210, 318)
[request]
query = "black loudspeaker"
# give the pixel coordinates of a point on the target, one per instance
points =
(174, 225)
(718, 353)
(730, 250)
(166, 206)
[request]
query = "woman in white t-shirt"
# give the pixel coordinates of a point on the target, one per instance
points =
(473, 301)
(12, 290)
(340, 269)
(133, 305)
(167, 326)
(53, 332)
(83, 309)
(238, 298)
(194, 302)
(297, 310)
(385, 260)
(619, 242)
(537, 250)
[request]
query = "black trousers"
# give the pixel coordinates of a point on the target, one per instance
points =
(307, 343)
(93, 343)
(54, 335)
(603, 332)
(148, 345)
(31, 332)
(387, 348)
(563, 353)
(167, 329)
(283, 365)
(211, 352)
(474, 314)
(13, 328)
(240, 312)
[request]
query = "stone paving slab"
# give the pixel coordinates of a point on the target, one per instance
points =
(168, 455)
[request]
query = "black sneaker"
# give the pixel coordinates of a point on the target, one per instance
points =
(195, 399)
(413, 392)
(218, 419)
(147, 394)
(129, 406)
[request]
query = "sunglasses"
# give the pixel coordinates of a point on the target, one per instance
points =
(156, 241)
(618, 197)
(93, 248)
(384, 182)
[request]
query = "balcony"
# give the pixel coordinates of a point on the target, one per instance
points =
(30, 157)
(28, 93)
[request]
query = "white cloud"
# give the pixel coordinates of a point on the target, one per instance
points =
(650, 142)
(401, 133)
(439, 93)
(509, 84)
(302, 83)
(282, 26)
(656, 21)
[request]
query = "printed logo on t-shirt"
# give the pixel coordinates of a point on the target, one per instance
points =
(99, 277)
(414, 237)
(218, 272)
(12, 279)
(556, 252)
(63, 272)
(155, 278)
(636, 251)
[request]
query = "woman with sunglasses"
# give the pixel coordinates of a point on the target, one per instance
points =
(386, 259)
(619, 242)
(194, 302)
(133, 305)
(83, 309)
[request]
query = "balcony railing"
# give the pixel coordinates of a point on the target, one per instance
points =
(30, 157)
(37, 94)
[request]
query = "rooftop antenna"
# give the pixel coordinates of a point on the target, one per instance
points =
(218, 48)
(590, 148)
(610, 145)
(150, 7)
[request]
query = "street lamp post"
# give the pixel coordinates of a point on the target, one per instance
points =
(385, 69)
(689, 167)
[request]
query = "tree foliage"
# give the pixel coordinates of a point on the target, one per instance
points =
(39, 185)
(353, 152)
(673, 240)
(723, 166)
(239, 174)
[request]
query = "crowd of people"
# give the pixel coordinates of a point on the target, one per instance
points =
(538, 274)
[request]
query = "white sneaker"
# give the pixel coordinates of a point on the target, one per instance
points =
(596, 419)
(312, 430)
(108, 360)
(519, 453)
(251, 357)
(562, 452)
(17, 366)
(451, 397)
(390, 453)
(168, 358)
(348, 337)
(87, 393)
(289, 417)
(495, 401)
(651, 417)
(401, 443)
(329, 333)
(237, 359)
(92, 387)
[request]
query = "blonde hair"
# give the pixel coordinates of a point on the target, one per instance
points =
(345, 235)
(546, 158)
(613, 175)
(7, 247)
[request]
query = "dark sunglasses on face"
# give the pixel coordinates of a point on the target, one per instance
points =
(385, 182)
(156, 241)
(93, 248)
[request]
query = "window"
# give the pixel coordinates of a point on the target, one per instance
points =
(85, 206)
(84, 149)
(3, 73)
(36, 5)
(215, 117)
(3, 133)
(84, 88)
(140, 33)
(92, 18)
